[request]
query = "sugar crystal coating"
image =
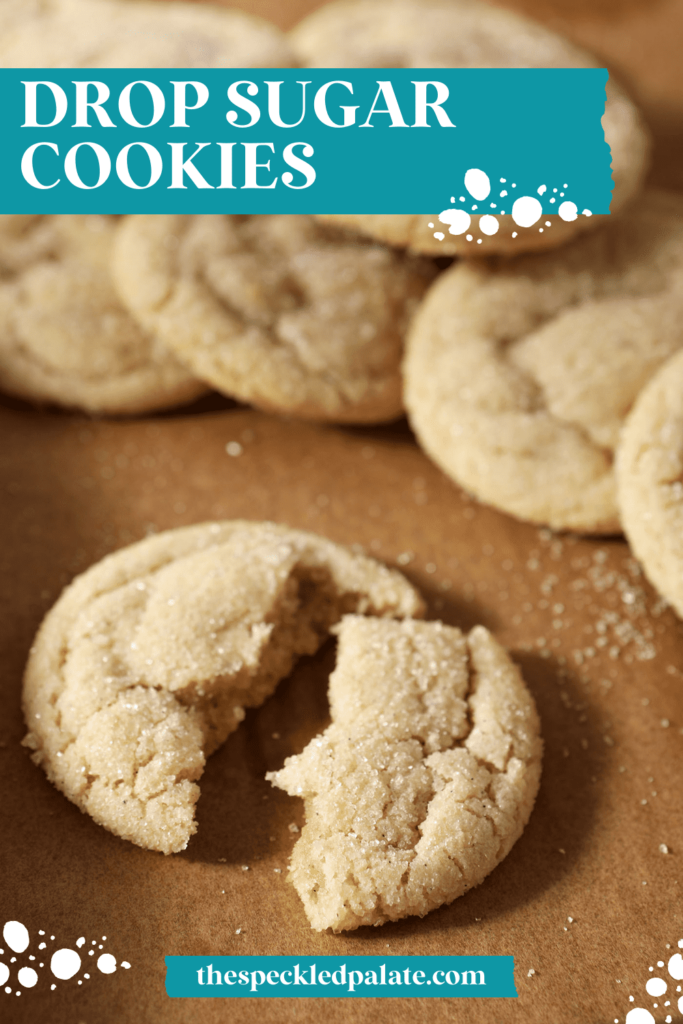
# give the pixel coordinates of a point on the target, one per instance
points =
(147, 661)
(423, 781)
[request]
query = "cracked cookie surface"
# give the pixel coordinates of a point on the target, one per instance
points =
(519, 374)
(650, 480)
(424, 780)
(65, 337)
(146, 662)
(464, 34)
(275, 310)
(126, 34)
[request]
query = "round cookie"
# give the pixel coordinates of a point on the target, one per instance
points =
(119, 33)
(423, 781)
(519, 374)
(64, 335)
(649, 469)
(275, 310)
(146, 662)
(464, 34)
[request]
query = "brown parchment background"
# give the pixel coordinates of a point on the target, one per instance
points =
(73, 489)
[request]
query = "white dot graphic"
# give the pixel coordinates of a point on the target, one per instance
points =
(655, 987)
(542, 189)
(587, 213)
(477, 183)
(27, 977)
(567, 211)
(639, 1016)
(4, 973)
(15, 935)
(526, 211)
(65, 963)
(488, 225)
(676, 966)
(458, 221)
(106, 963)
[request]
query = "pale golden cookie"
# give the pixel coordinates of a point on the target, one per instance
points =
(464, 34)
(650, 480)
(275, 310)
(126, 34)
(15, 12)
(519, 373)
(64, 335)
(423, 781)
(146, 662)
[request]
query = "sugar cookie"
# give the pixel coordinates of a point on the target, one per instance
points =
(519, 374)
(423, 781)
(275, 310)
(122, 34)
(64, 335)
(650, 480)
(464, 34)
(146, 662)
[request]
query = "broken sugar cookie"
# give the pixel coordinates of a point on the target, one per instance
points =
(424, 780)
(146, 662)
(127, 34)
(466, 34)
(650, 480)
(275, 310)
(65, 337)
(519, 374)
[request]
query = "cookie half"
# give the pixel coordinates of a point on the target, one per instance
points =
(275, 310)
(146, 662)
(424, 780)
(519, 374)
(650, 480)
(65, 337)
(127, 34)
(465, 34)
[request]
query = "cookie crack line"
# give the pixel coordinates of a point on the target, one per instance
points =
(396, 825)
(127, 690)
(317, 333)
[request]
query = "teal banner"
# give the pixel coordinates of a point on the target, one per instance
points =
(304, 141)
(339, 977)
